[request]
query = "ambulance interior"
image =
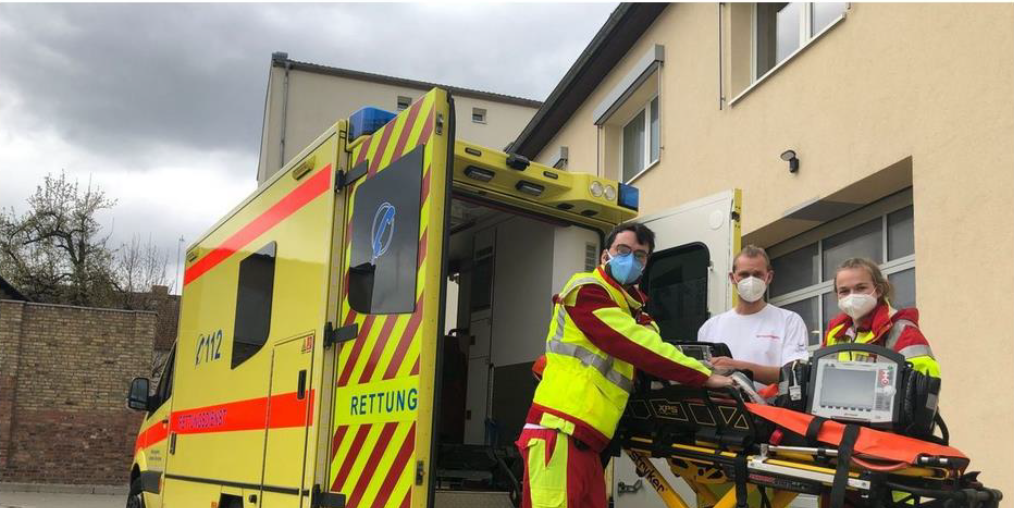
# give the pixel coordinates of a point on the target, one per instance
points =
(504, 268)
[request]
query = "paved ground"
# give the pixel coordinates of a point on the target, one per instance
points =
(47, 500)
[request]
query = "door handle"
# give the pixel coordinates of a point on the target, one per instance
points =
(301, 385)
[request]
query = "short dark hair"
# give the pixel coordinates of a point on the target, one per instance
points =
(643, 234)
(752, 251)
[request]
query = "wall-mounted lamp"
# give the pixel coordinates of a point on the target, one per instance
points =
(790, 157)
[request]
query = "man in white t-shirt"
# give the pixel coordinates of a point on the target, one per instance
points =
(762, 337)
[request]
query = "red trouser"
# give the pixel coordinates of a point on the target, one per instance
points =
(559, 472)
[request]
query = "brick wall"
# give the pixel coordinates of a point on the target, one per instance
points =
(64, 373)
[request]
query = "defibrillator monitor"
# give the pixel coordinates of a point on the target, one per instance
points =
(704, 351)
(846, 384)
(697, 352)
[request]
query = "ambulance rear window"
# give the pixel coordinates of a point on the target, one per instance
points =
(385, 238)
(253, 303)
(676, 281)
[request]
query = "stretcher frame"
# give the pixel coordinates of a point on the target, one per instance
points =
(784, 472)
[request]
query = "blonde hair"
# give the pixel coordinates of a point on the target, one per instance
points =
(879, 281)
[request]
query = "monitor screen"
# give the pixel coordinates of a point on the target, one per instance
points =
(848, 388)
(699, 353)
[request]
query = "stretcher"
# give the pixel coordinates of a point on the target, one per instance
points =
(772, 454)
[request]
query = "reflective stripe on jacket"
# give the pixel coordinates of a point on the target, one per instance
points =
(597, 336)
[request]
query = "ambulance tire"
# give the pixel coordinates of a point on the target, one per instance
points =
(136, 498)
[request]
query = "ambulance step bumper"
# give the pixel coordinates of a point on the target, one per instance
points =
(470, 499)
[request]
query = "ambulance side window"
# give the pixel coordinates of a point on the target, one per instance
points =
(253, 303)
(165, 382)
(676, 281)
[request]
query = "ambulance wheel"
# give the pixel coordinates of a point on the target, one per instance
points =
(136, 498)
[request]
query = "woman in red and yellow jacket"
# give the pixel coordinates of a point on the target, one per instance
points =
(864, 296)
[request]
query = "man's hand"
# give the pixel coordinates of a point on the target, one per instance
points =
(761, 373)
(716, 382)
(724, 362)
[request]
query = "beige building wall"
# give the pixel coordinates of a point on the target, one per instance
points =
(316, 100)
(892, 96)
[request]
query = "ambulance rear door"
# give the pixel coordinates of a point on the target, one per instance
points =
(390, 308)
(687, 282)
(687, 277)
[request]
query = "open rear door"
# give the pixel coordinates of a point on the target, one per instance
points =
(687, 277)
(687, 282)
(390, 307)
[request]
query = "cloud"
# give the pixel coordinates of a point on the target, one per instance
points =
(121, 77)
(180, 194)
(162, 104)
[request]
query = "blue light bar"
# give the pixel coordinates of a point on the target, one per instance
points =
(629, 196)
(368, 120)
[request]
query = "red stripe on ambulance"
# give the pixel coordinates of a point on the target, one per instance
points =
(397, 469)
(378, 156)
(371, 464)
(357, 348)
(336, 441)
(350, 457)
(291, 203)
(399, 147)
(286, 410)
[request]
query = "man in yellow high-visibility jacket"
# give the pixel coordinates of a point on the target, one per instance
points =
(598, 335)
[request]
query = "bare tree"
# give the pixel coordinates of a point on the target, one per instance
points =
(55, 251)
(141, 268)
(142, 283)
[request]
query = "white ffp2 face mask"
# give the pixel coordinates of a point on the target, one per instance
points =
(857, 305)
(751, 289)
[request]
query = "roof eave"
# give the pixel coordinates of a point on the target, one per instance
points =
(618, 34)
(404, 82)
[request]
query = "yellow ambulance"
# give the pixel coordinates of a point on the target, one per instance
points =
(360, 330)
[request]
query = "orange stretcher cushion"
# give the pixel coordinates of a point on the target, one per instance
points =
(873, 443)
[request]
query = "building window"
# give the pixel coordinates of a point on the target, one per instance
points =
(640, 141)
(478, 115)
(804, 276)
(254, 294)
(404, 102)
(561, 161)
(781, 29)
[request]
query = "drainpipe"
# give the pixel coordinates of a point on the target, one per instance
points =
(721, 65)
(285, 106)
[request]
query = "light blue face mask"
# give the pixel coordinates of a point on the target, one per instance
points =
(625, 268)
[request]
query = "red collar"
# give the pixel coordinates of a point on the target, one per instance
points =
(879, 321)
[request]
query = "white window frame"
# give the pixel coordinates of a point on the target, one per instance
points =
(649, 164)
(805, 40)
(484, 114)
(821, 288)
(397, 103)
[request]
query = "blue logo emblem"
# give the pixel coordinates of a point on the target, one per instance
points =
(383, 230)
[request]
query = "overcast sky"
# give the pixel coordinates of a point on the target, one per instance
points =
(161, 105)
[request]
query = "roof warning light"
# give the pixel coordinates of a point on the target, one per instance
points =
(368, 120)
(629, 196)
